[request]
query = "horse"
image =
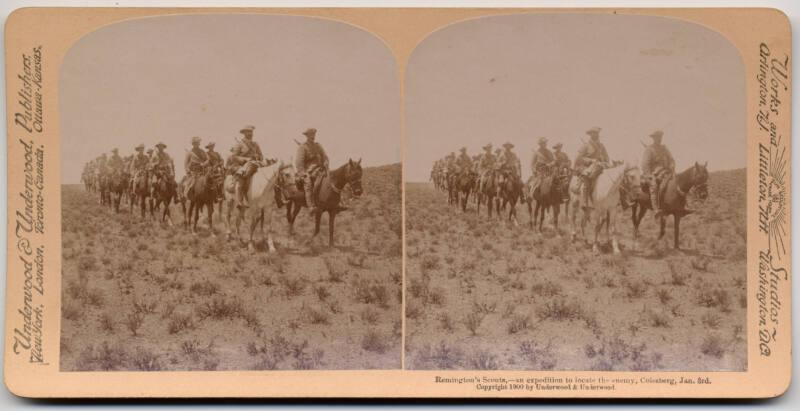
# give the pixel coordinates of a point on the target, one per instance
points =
(260, 204)
(328, 195)
(488, 192)
(451, 182)
(162, 192)
(117, 184)
(464, 184)
(203, 193)
(140, 191)
(548, 194)
(103, 183)
(674, 191)
(510, 191)
(606, 202)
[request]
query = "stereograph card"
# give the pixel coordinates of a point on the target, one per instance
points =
(305, 202)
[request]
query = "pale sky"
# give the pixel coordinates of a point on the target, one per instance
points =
(516, 78)
(171, 78)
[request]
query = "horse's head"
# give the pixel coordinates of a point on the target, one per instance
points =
(352, 176)
(286, 175)
(700, 180)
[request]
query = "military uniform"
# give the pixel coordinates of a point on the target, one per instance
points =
(115, 164)
(162, 166)
(657, 167)
(562, 161)
(310, 161)
(139, 162)
(591, 152)
(486, 165)
(245, 151)
(214, 158)
(510, 165)
(542, 158)
(464, 161)
(541, 162)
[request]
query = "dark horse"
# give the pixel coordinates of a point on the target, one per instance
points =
(117, 184)
(162, 192)
(673, 199)
(328, 189)
(510, 192)
(464, 184)
(488, 193)
(203, 193)
(549, 194)
(140, 191)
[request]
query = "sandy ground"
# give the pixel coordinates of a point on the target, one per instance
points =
(141, 296)
(488, 295)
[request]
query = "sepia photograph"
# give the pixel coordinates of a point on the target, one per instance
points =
(575, 196)
(231, 196)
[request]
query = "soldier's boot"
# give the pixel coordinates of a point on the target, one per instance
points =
(655, 199)
(308, 188)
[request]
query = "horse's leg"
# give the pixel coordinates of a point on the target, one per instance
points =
(317, 218)
(677, 230)
(253, 223)
(556, 212)
(331, 218)
(211, 217)
(663, 224)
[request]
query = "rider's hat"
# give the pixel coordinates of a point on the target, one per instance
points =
(542, 140)
(114, 150)
(195, 140)
(593, 131)
(508, 145)
(311, 132)
(463, 149)
(210, 144)
(488, 146)
(657, 134)
(140, 147)
(247, 128)
(558, 145)
(162, 145)
(150, 150)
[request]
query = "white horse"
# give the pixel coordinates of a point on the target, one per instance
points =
(260, 203)
(605, 208)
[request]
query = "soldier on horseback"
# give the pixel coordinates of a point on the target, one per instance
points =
(194, 165)
(464, 161)
(592, 152)
(450, 166)
(115, 164)
(139, 162)
(214, 158)
(242, 155)
(541, 163)
(138, 165)
(509, 165)
(162, 166)
(562, 160)
(486, 166)
(311, 163)
(563, 168)
(657, 167)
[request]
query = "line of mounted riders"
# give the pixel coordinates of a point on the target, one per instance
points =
(246, 185)
(592, 189)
